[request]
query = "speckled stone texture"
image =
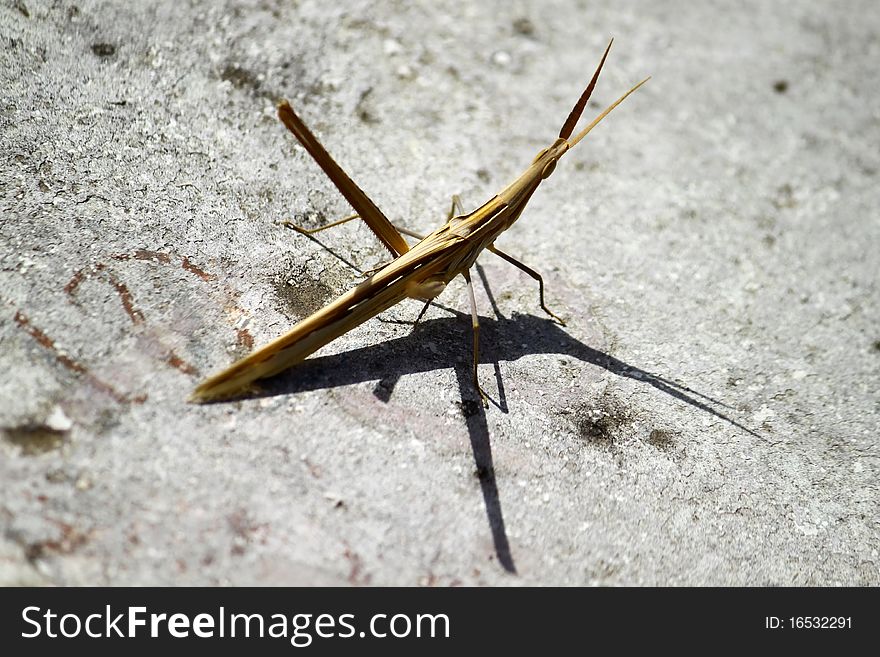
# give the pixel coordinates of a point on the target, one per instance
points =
(709, 415)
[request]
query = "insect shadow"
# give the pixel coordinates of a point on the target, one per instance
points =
(503, 339)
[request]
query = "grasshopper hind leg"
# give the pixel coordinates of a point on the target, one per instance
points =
(475, 324)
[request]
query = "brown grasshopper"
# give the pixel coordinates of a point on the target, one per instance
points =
(421, 271)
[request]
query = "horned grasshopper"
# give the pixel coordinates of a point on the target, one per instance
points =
(421, 271)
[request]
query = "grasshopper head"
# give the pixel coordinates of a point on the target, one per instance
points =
(517, 194)
(548, 157)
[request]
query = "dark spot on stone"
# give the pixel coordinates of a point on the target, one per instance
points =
(243, 529)
(300, 300)
(524, 26)
(22, 8)
(34, 440)
(240, 77)
(484, 175)
(661, 439)
(877, 345)
(365, 116)
(769, 240)
(69, 540)
(296, 286)
(785, 197)
(601, 424)
(597, 430)
(246, 80)
(780, 86)
(58, 476)
(363, 110)
(107, 420)
(104, 49)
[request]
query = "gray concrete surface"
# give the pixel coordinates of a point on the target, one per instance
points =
(708, 416)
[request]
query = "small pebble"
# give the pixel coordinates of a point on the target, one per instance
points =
(501, 58)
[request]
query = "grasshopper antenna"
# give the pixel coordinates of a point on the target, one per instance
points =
(577, 110)
(606, 112)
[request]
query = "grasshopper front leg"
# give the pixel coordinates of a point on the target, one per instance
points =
(455, 207)
(311, 231)
(531, 272)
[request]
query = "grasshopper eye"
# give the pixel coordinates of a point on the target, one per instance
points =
(540, 155)
(548, 168)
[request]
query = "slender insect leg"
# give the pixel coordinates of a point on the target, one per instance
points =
(410, 233)
(456, 207)
(456, 204)
(344, 220)
(312, 231)
(422, 312)
(309, 232)
(531, 272)
(475, 323)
